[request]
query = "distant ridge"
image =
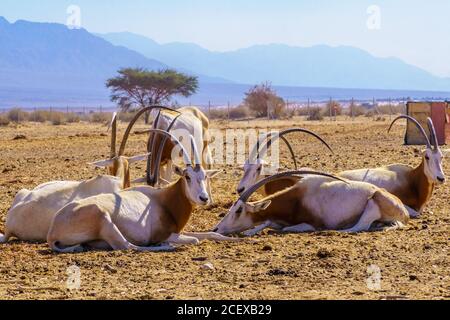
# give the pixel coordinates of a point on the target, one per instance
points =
(317, 66)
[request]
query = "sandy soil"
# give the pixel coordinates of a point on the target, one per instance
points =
(414, 262)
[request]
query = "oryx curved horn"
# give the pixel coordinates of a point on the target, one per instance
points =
(434, 140)
(133, 122)
(186, 157)
(153, 174)
(246, 195)
(421, 129)
(113, 126)
(276, 135)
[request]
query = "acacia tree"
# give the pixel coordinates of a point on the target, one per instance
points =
(262, 100)
(137, 88)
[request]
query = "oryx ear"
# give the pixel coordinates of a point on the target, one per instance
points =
(141, 157)
(178, 171)
(212, 173)
(139, 180)
(258, 206)
(103, 163)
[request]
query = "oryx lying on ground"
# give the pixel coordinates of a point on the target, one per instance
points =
(314, 203)
(255, 166)
(189, 120)
(137, 217)
(414, 186)
(32, 211)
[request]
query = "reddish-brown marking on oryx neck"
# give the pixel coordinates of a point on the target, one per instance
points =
(177, 207)
(418, 190)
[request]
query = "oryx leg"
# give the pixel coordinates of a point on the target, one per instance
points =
(182, 239)
(210, 236)
(261, 227)
(299, 228)
(71, 229)
(370, 214)
(413, 213)
(4, 238)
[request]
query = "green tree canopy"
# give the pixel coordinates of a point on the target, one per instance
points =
(136, 88)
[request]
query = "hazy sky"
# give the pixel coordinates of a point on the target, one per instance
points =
(416, 31)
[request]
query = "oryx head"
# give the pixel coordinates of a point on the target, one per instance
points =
(193, 176)
(256, 168)
(432, 156)
(244, 215)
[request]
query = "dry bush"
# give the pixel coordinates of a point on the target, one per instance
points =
(315, 114)
(72, 117)
(57, 118)
(4, 121)
(100, 117)
(17, 115)
(262, 97)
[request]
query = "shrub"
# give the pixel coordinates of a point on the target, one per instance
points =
(262, 97)
(100, 117)
(57, 118)
(4, 121)
(315, 114)
(72, 117)
(17, 115)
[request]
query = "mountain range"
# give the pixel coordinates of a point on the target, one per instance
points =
(44, 63)
(317, 66)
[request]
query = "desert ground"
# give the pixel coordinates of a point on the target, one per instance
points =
(414, 261)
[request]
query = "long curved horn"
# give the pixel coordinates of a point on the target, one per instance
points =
(133, 122)
(433, 134)
(246, 195)
(421, 129)
(275, 135)
(153, 174)
(113, 126)
(186, 158)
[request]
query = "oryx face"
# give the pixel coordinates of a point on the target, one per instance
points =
(253, 172)
(241, 217)
(433, 165)
(195, 183)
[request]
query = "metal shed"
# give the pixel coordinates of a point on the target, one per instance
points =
(439, 112)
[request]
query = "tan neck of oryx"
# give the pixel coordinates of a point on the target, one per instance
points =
(422, 187)
(173, 199)
(121, 170)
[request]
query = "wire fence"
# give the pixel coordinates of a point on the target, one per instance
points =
(312, 110)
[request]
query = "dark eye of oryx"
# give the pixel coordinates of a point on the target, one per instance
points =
(259, 169)
(188, 179)
(427, 157)
(239, 210)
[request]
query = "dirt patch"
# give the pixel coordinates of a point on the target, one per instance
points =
(414, 262)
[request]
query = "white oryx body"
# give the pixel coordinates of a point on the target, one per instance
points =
(413, 185)
(32, 211)
(135, 218)
(315, 203)
(188, 121)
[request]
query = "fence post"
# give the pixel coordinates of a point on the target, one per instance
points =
(309, 108)
(352, 107)
(331, 115)
(228, 110)
(209, 109)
